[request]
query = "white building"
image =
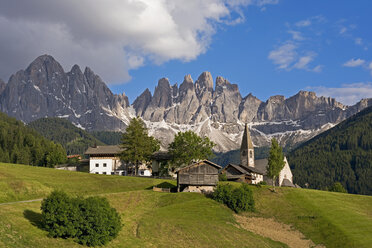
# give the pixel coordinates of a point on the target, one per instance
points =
(105, 160)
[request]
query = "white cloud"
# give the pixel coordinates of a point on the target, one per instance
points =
(284, 55)
(288, 57)
(304, 61)
(318, 68)
(303, 23)
(358, 41)
(111, 36)
(296, 35)
(354, 62)
(348, 94)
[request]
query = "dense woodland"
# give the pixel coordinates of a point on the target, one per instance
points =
(342, 154)
(108, 137)
(75, 140)
(22, 145)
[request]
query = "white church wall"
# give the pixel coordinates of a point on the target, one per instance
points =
(285, 173)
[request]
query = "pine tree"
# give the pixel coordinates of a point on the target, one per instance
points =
(137, 145)
(188, 147)
(276, 161)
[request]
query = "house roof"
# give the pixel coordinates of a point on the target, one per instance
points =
(112, 150)
(238, 168)
(203, 161)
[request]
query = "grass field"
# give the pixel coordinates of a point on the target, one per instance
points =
(153, 219)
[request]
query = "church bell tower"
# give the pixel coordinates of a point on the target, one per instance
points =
(247, 149)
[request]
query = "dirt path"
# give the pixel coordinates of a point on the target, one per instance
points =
(275, 230)
(10, 203)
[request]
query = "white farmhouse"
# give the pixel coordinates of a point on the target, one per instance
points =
(105, 160)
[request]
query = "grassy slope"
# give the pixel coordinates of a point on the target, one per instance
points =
(179, 220)
(329, 218)
(150, 219)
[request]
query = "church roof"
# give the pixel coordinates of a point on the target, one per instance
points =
(246, 141)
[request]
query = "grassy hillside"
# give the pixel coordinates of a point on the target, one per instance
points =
(75, 140)
(153, 219)
(341, 154)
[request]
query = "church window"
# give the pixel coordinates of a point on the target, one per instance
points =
(250, 154)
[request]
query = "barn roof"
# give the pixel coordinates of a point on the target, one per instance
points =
(238, 168)
(112, 150)
(203, 161)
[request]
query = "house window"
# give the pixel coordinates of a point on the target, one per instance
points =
(97, 172)
(104, 165)
(97, 165)
(112, 173)
(104, 173)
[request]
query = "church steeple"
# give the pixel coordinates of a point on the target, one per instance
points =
(247, 149)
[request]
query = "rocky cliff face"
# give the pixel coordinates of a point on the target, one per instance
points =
(216, 110)
(44, 89)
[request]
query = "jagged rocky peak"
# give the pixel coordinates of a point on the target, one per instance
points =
(204, 82)
(277, 99)
(2, 86)
(141, 102)
(162, 94)
(187, 84)
(222, 84)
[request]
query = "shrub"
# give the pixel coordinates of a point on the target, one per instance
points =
(91, 221)
(337, 187)
(238, 199)
(60, 214)
(222, 177)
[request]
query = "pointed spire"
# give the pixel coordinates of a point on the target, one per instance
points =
(247, 149)
(246, 141)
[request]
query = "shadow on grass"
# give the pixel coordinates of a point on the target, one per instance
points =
(34, 218)
(164, 185)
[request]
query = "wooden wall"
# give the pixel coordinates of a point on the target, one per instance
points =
(199, 174)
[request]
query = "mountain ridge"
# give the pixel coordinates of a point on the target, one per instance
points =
(215, 109)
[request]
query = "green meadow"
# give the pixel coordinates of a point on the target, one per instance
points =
(153, 219)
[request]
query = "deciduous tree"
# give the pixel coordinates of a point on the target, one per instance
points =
(188, 147)
(276, 161)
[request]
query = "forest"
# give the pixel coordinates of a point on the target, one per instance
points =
(342, 154)
(20, 144)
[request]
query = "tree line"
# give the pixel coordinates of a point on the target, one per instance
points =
(342, 154)
(20, 144)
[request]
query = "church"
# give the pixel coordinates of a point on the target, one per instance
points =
(254, 171)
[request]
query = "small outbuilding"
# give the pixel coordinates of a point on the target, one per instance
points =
(198, 177)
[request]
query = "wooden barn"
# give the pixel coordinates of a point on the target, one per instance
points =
(198, 177)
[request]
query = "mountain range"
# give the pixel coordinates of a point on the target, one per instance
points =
(212, 108)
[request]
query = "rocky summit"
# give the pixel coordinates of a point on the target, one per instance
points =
(216, 110)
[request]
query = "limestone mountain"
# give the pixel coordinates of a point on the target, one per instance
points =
(44, 89)
(215, 109)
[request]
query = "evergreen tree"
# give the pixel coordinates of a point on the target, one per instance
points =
(275, 161)
(137, 145)
(188, 147)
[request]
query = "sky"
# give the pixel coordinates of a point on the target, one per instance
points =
(267, 47)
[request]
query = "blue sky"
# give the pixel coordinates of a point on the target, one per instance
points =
(267, 47)
(326, 34)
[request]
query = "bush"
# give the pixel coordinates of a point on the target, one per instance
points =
(337, 187)
(238, 199)
(91, 221)
(222, 177)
